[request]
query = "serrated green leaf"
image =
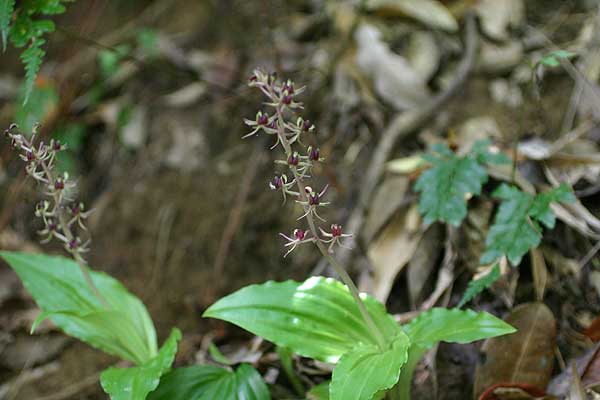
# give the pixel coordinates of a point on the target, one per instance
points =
(516, 227)
(206, 382)
(287, 313)
(366, 370)
(6, 12)
(479, 285)
(32, 60)
(445, 186)
(135, 383)
(59, 288)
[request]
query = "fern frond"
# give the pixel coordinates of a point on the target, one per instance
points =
(479, 285)
(6, 11)
(32, 60)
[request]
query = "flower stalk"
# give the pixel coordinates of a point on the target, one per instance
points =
(282, 97)
(59, 213)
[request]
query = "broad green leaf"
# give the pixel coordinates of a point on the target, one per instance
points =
(135, 383)
(366, 370)
(123, 329)
(516, 227)
(479, 285)
(42, 102)
(453, 325)
(429, 12)
(445, 325)
(206, 382)
(445, 186)
(319, 392)
(6, 12)
(289, 313)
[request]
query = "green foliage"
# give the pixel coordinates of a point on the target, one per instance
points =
(516, 227)
(553, 59)
(6, 11)
(367, 370)
(445, 186)
(317, 318)
(479, 285)
(42, 101)
(123, 329)
(319, 392)
(453, 325)
(206, 382)
(28, 31)
(135, 383)
(445, 325)
(109, 60)
(32, 60)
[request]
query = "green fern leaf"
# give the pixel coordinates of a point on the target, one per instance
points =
(6, 11)
(479, 285)
(32, 59)
(445, 186)
(516, 227)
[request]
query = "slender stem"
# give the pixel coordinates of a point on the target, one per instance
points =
(313, 229)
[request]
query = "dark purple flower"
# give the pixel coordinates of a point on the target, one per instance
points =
(293, 159)
(314, 154)
(59, 184)
(336, 230)
(287, 99)
(299, 234)
(263, 119)
(306, 125)
(277, 183)
(314, 199)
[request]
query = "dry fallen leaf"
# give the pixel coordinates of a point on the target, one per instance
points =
(524, 357)
(498, 16)
(586, 371)
(429, 12)
(394, 78)
(392, 250)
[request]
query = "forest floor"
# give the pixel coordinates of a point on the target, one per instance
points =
(151, 98)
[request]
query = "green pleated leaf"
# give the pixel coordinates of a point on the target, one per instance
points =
(124, 329)
(455, 326)
(316, 318)
(206, 382)
(135, 383)
(445, 325)
(367, 370)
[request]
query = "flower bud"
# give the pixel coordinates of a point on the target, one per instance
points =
(277, 182)
(287, 99)
(314, 154)
(293, 159)
(307, 125)
(262, 119)
(59, 184)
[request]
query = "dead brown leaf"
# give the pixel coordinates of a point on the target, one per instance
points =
(525, 357)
